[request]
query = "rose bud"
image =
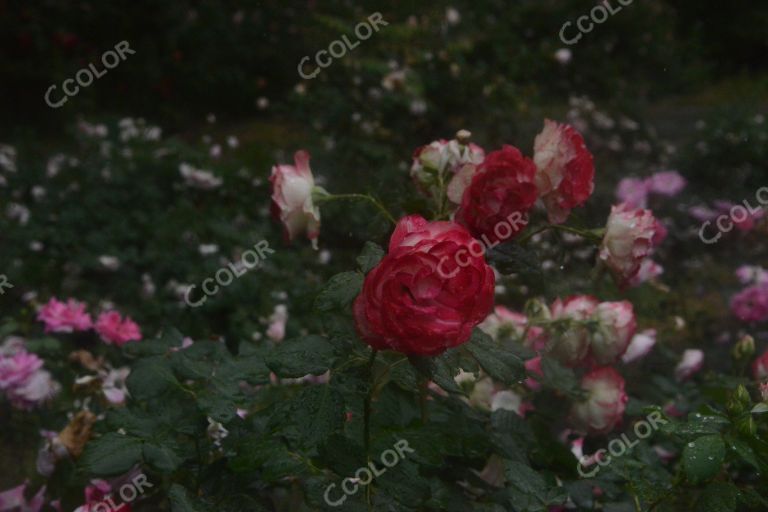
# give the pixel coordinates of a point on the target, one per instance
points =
(615, 328)
(640, 346)
(495, 205)
(630, 236)
(690, 363)
(760, 367)
(429, 291)
(292, 198)
(570, 346)
(565, 170)
(442, 161)
(604, 407)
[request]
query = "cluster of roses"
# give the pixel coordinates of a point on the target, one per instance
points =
(71, 316)
(582, 332)
(751, 304)
(422, 299)
(23, 380)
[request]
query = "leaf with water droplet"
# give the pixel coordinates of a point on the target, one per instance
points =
(703, 458)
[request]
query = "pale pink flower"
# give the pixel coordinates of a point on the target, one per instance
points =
(747, 223)
(64, 317)
(690, 363)
(571, 346)
(14, 500)
(633, 192)
(666, 183)
(533, 367)
(615, 327)
(606, 400)
(36, 390)
(292, 202)
(649, 270)
(630, 236)
(113, 384)
(640, 346)
(752, 274)
(114, 330)
(751, 304)
(277, 321)
(509, 401)
(451, 161)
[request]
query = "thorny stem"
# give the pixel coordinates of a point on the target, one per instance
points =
(364, 197)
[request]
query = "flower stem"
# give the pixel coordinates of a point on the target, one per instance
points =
(367, 405)
(364, 197)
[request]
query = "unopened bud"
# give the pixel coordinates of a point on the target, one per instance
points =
(463, 136)
(744, 348)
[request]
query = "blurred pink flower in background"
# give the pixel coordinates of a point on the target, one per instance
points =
(13, 500)
(666, 183)
(649, 270)
(633, 192)
(640, 346)
(751, 304)
(752, 274)
(760, 367)
(114, 330)
(276, 330)
(64, 317)
(690, 363)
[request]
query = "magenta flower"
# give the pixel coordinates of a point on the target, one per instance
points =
(24, 381)
(114, 330)
(751, 304)
(61, 317)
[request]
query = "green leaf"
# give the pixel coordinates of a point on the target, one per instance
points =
(149, 378)
(339, 291)
(558, 377)
(439, 370)
(301, 356)
(181, 501)
(161, 457)
(499, 363)
(528, 489)
(318, 412)
(511, 258)
(703, 457)
(111, 454)
(370, 256)
(718, 497)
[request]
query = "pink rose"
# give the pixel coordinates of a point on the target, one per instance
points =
(640, 346)
(633, 192)
(292, 198)
(689, 364)
(61, 317)
(429, 291)
(604, 407)
(751, 304)
(114, 330)
(34, 391)
(760, 367)
(666, 183)
(630, 236)
(570, 344)
(17, 369)
(649, 270)
(615, 328)
(565, 170)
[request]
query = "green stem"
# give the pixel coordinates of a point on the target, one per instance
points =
(423, 393)
(365, 197)
(367, 405)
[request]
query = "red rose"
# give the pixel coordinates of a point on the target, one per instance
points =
(496, 203)
(565, 170)
(424, 297)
